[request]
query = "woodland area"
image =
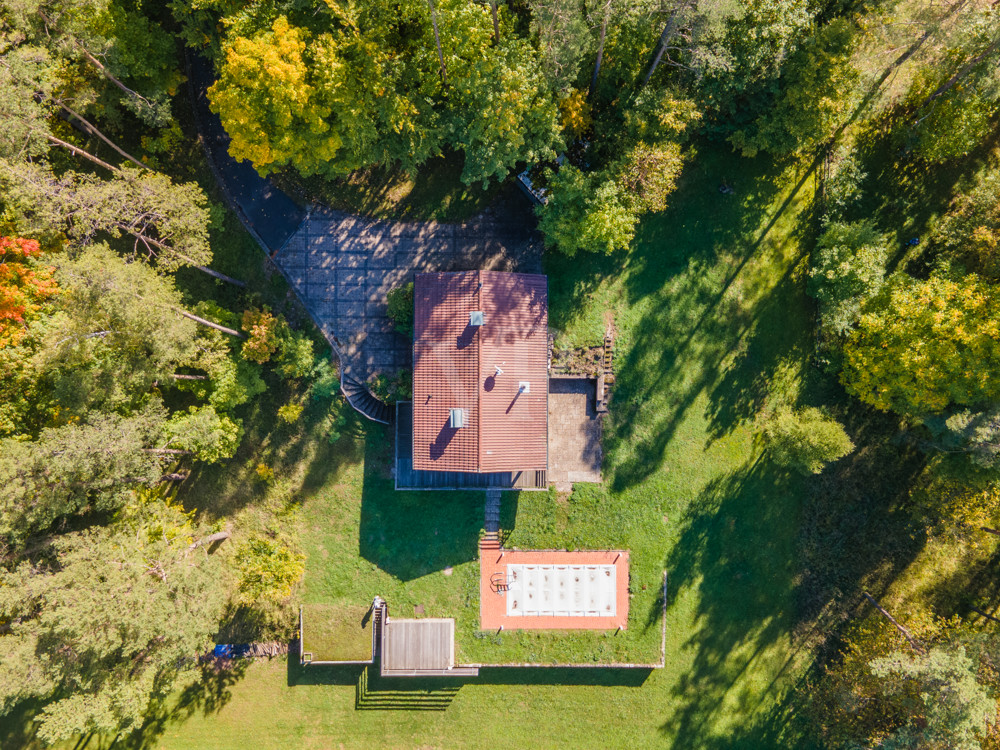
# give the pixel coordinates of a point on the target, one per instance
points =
(160, 386)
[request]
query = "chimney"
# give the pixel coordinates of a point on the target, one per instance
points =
(457, 418)
(476, 318)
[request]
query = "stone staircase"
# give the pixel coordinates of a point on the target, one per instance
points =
(492, 510)
(359, 397)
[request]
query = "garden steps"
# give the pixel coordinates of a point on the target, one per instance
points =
(492, 510)
(362, 400)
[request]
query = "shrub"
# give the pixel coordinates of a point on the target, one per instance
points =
(400, 302)
(267, 570)
(262, 328)
(234, 382)
(290, 413)
(392, 388)
(295, 354)
(848, 269)
(805, 440)
(209, 435)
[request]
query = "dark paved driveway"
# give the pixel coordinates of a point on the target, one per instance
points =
(265, 209)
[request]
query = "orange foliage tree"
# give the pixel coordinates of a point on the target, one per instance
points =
(24, 286)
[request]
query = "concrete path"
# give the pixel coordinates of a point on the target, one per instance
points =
(342, 267)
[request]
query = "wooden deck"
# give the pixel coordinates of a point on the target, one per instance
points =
(408, 478)
(425, 647)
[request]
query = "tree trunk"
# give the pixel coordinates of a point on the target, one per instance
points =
(210, 539)
(90, 128)
(170, 249)
(437, 40)
(179, 376)
(208, 323)
(496, 23)
(960, 74)
(80, 152)
(218, 275)
(903, 631)
(988, 530)
(600, 50)
(168, 451)
(989, 617)
(107, 74)
(664, 38)
(176, 477)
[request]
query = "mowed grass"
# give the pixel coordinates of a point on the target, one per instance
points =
(712, 326)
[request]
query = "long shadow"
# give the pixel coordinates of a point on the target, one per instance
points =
(411, 534)
(692, 258)
(817, 543)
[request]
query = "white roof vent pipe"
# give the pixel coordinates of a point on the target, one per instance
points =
(476, 318)
(457, 418)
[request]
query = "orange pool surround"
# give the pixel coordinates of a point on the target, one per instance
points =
(494, 562)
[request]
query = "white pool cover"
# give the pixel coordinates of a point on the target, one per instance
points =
(561, 590)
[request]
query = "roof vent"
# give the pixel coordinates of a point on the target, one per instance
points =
(524, 387)
(476, 318)
(457, 418)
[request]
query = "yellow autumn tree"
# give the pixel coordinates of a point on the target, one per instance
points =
(269, 104)
(925, 344)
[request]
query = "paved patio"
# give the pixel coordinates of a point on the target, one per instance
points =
(574, 433)
(343, 266)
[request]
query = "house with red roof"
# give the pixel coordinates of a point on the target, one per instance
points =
(479, 416)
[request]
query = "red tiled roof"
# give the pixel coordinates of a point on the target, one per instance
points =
(454, 367)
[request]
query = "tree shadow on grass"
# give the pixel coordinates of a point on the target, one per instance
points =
(301, 456)
(702, 300)
(411, 534)
(777, 563)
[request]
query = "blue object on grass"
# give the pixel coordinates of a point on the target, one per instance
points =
(231, 650)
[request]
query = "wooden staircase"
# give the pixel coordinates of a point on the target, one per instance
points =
(359, 397)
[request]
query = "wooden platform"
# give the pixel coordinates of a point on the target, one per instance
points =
(424, 647)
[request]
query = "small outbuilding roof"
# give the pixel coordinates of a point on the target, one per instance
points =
(480, 372)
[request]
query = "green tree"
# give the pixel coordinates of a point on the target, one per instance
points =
(505, 113)
(106, 622)
(819, 87)
(948, 707)
(267, 570)
(586, 213)
(970, 230)
(168, 221)
(93, 463)
(954, 98)
(925, 344)
(848, 269)
(116, 331)
(804, 440)
(564, 38)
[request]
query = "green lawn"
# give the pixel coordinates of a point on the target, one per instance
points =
(712, 324)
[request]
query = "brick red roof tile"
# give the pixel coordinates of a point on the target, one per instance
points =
(454, 366)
